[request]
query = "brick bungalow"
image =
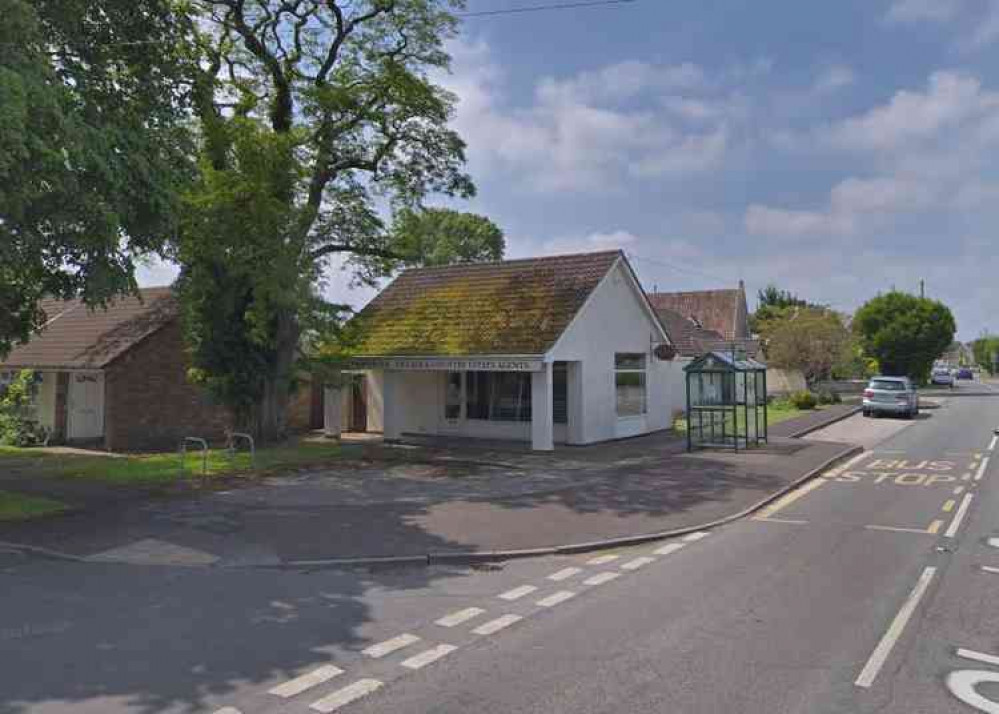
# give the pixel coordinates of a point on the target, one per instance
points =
(117, 378)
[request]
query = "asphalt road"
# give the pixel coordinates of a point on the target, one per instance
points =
(853, 594)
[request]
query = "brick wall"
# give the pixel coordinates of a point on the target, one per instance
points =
(149, 404)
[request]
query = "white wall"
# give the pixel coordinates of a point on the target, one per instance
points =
(46, 400)
(614, 320)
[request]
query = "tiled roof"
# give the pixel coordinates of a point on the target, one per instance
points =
(723, 311)
(513, 307)
(691, 340)
(75, 337)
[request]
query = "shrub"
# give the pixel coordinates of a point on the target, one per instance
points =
(16, 425)
(828, 396)
(804, 400)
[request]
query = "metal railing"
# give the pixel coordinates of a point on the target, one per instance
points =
(204, 452)
(234, 437)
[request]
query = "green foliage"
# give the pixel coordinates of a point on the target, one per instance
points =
(16, 417)
(773, 303)
(92, 148)
(905, 333)
(986, 352)
(803, 400)
(335, 119)
(814, 341)
(828, 396)
(440, 236)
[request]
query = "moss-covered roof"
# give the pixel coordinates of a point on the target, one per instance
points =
(513, 307)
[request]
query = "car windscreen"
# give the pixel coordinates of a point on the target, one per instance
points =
(887, 385)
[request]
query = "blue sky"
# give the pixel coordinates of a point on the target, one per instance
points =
(835, 148)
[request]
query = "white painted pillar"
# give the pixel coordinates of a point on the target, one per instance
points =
(576, 432)
(542, 416)
(391, 406)
(332, 412)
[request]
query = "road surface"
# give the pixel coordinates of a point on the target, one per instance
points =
(871, 589)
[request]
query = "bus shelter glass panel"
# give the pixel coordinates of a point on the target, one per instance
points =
(726, 402)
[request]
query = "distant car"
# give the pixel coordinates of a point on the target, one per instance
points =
(942, 375)
(965, 373)
(891, 395)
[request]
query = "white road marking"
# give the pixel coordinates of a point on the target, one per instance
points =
(424, 658)
(298, 685)
(962, 685)
(791, 521)
(958, 490)
(994, 542)
(959, 516)
(518, 593)
(603, 559)
(992, 444)
(977, 656)
(488, 628)
(668, 549)
(564, 574)
(227, 710)
(884, 647)
(389, 646)
(601, 578)
(556, 598)
(896, 529)
(989, 569)
(981, 469)
(342, 697)
(966, 477)
(457, 618)
(637, 563)
(694, 537)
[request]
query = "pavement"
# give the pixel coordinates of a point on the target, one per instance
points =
(432, 504)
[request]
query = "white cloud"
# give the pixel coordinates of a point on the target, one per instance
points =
(950, 99)
(153, 272)
(923, 10)
(833, 79)
(585, 131)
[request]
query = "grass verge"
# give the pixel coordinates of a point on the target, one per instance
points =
(155, 469)
(20, 507)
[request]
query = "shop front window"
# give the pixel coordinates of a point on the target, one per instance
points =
(498, 396)
(630, 385)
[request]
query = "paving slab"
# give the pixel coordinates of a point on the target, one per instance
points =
(413, 510)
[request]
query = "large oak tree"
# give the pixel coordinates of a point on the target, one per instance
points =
(317, 117)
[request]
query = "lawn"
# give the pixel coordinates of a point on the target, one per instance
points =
(777, 412)
(163, 468)
(20, 507)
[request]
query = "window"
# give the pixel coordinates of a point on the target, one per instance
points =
(498, 396)
(629, 381)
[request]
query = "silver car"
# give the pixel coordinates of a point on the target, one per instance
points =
(891, 395)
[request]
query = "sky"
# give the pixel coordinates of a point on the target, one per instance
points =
(835, 149)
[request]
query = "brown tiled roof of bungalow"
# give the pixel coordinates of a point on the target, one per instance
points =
(76, 337)
(511, 307)
(723, 311)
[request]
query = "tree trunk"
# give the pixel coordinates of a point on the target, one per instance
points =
(270, 420)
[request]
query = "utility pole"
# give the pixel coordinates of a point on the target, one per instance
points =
(922, 288)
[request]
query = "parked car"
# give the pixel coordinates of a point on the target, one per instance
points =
(943, 376)
(891, 395)
(965, 373)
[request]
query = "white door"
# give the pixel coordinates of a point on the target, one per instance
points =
(85, 412)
